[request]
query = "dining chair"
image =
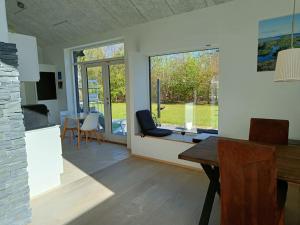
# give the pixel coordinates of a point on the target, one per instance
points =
(248, 184)
(274, 132)
(89, 127)
(71, 126)
(269, 131)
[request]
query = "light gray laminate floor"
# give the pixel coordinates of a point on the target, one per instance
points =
(127, 191)
(90, 158)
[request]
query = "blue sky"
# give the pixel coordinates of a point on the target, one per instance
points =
(278, 26)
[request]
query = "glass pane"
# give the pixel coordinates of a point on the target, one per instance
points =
(103, 52)
(118, 99)
(96, 92)
(184, 87)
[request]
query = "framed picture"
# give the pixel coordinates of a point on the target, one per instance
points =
(59, 76)
(274, 36)
(46, 88)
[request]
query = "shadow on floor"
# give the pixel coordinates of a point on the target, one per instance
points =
(146, 192)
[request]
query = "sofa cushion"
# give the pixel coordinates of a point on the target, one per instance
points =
(158, 132)
(145, 120)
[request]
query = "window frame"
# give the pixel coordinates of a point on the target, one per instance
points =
(174, 53)
(94, 61)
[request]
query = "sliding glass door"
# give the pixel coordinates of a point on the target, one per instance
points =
(104, 91)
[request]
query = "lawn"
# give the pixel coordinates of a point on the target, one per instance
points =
(118, 109)
(204, 116)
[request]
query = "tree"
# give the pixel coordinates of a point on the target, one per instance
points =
(186, 77)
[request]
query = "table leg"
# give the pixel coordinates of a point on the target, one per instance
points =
(213, 188)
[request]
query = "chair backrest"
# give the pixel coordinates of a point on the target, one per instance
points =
(63, 115)
(67, 121)
(145, 120)
(90, 122)
(269, 131)
(248, 183)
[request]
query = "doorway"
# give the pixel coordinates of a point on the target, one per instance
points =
(104, 92)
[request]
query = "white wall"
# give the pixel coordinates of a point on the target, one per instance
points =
(27, 56)
(40, 55)
(70, 81)
(3, 22)
(55, 56)
(244, 93)
(30, 93)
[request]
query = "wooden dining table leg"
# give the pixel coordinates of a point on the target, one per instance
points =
(214, 187)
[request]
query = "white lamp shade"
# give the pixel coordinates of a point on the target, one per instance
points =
(288, 65)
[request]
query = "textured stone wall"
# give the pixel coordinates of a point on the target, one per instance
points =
(14, 190)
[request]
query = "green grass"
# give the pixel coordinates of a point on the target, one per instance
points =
(205, 116)
(118, 109)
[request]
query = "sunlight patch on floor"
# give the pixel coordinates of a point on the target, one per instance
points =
(90, 158)
(97, 195)
(64, 208)
(79, 191)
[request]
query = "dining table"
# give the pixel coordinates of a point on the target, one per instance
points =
(206, 153)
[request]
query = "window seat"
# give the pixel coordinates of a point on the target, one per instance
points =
(187, 138)
(166, 149)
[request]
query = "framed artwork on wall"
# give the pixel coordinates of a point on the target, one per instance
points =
(59, 76)
(275, 35)
(46, 88)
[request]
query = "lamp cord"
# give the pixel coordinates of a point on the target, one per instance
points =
(293, 25)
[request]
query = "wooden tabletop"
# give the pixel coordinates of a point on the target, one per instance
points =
(287, 158)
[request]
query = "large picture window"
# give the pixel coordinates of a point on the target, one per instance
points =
(184, 90)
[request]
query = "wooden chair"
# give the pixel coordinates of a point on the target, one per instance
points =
(71, 126)
(274, 132)
(248, 184)
(269, 131)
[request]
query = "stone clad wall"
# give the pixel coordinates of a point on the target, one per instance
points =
(14, 190)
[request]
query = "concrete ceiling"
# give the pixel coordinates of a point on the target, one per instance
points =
(66, 21)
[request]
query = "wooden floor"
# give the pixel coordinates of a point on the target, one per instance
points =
(136, 191)
(90, 158)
